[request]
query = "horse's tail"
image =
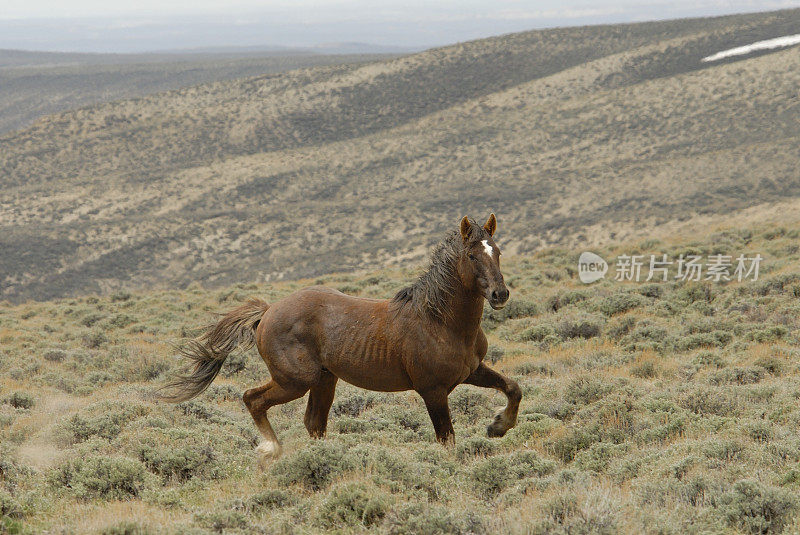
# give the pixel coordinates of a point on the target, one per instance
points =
(207, 353)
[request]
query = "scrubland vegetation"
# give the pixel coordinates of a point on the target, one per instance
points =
(572, 135)
(35, 84)
(668, 407)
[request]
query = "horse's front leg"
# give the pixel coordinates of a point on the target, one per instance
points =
(439, 411)
(488, 378)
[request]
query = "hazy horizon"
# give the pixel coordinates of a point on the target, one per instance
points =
(91, 26)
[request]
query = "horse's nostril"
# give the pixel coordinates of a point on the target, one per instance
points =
(504, 294)
(495, 297)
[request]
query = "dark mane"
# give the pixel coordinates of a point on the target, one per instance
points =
(428, 295)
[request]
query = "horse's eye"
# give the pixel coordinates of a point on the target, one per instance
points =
(471, 256)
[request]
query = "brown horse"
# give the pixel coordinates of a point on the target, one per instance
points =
(427, 338)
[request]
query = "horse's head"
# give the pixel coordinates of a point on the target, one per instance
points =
(479, 264)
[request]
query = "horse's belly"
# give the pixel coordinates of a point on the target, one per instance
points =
(371, 375)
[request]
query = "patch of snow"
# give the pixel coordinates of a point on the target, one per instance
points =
(778, 42)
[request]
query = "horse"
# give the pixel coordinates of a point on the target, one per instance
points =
(427, 338)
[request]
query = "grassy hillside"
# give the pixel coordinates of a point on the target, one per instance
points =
(648, 408)
(572, 135)
(34, 84)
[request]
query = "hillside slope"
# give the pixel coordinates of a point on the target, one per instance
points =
(34, 84)
(572, 135)
(662, 407)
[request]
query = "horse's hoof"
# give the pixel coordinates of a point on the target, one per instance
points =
(498, 427)
(267, 452)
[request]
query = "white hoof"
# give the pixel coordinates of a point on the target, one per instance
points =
(267, 451)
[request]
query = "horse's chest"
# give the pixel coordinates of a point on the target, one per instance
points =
(464, 363)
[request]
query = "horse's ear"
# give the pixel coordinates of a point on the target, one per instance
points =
(491, 225)
(466, 228)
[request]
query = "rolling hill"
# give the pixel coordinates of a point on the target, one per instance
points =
(572, 135)
(34, 84)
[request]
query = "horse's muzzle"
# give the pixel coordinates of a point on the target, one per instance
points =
(498, 298)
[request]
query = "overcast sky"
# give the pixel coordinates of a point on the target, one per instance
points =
(104, 26)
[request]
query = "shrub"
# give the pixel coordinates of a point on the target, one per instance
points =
(583, 326)
(619, 327)
(21, 400)
(348, 425)
(696, 340)
(101, 477)
(474, 447)
(741, 376)
(723, 450)
(651, 290)
(537, 333)
(586, 389)
(224, 393)
(119, 321)
(645, 336)
(270, 499)
(469, 402)
(199, 410)
(104, 419)
(91, 319)
(416, 518)
(350, 504)
(527, 463)
(120, 296)
(125, 528)
(491, 475)
(527, 368)
(710, 401)
(760, 431)
(644, 370)
(177, 462)
(95, 339)
(313, 467)
(771, 364)
(709, 358)
(9, 507)
(770, 334)
(354, 404)
(619, 303)
(55, 355)
(560, 508)
(566, 445)
(756, 508)
(222, 521)
(597, 457)
(494, 354)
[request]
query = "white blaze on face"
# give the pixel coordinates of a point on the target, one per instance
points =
(487, 247)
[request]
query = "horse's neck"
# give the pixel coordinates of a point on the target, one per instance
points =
(467, 307)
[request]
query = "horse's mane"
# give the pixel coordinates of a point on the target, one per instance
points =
(429, 294)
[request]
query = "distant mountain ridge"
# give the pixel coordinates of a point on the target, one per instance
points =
(34, 84)
(572, 135)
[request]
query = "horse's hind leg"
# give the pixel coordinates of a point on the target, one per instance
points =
(319, 404)
(488, 378)
(258, 400)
